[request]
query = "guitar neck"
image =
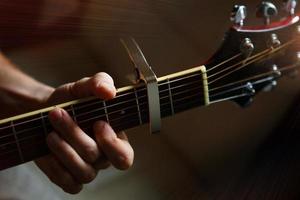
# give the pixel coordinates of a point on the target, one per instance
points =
(22, 138)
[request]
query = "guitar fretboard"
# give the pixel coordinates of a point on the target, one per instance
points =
(22, 138)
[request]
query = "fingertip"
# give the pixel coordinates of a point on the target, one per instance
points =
(55, 115)
(124, 162)
(74, 189)
(117, 149)
(106, 91)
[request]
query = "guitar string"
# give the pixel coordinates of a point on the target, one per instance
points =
(98, 101)
(266, 75)
(253, 56)
(120, 124)
(239, 68)
(139, 90)
(102, 109)
(94, 111)
(239, 63)
(270, 51)
(224, 62)
(144, 96)
(114, 112)
(290, 67)
(130, 93)
(115, 126)
(103, 116)
(178, 100)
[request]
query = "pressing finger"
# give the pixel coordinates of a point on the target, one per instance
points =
(100, 85)
(82, 171)
(117, 150)
(84, 145)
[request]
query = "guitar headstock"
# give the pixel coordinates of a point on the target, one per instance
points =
(252, 58)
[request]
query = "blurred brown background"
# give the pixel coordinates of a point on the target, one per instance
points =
(197, 152)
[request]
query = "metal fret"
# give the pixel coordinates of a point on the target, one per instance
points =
(106, 112)
(44, 124)
(171, 96)
(73, 113)
(138, 106)
(17, 141)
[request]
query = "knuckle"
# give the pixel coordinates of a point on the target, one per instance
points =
(73, 158)
(91, 153)
(71, 88)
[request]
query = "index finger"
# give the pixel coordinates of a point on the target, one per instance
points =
(100, 85)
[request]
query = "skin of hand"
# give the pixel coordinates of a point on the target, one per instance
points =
(75, 157)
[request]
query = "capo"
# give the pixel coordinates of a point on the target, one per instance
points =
(147, 75)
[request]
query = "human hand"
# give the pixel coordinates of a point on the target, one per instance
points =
(75, 157)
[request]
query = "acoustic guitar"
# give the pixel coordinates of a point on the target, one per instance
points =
(250, 60)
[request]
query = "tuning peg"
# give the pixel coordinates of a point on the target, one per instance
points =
(273, 83)
(290, 6)
(249, 92)
(238, 15)
(249, 89)
(266, 10)
(247, 47)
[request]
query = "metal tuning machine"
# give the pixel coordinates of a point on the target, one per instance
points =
(266, 10)
(146, 74)
(290, 6)
(273, 79)
(238, 15)
(247, 48)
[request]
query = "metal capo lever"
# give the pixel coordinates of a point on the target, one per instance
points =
(146, 74)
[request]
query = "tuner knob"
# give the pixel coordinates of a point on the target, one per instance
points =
(290, 6)
(249, 92)
(249, 89)
(247, 47)
(238, 14)
(266, 10)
